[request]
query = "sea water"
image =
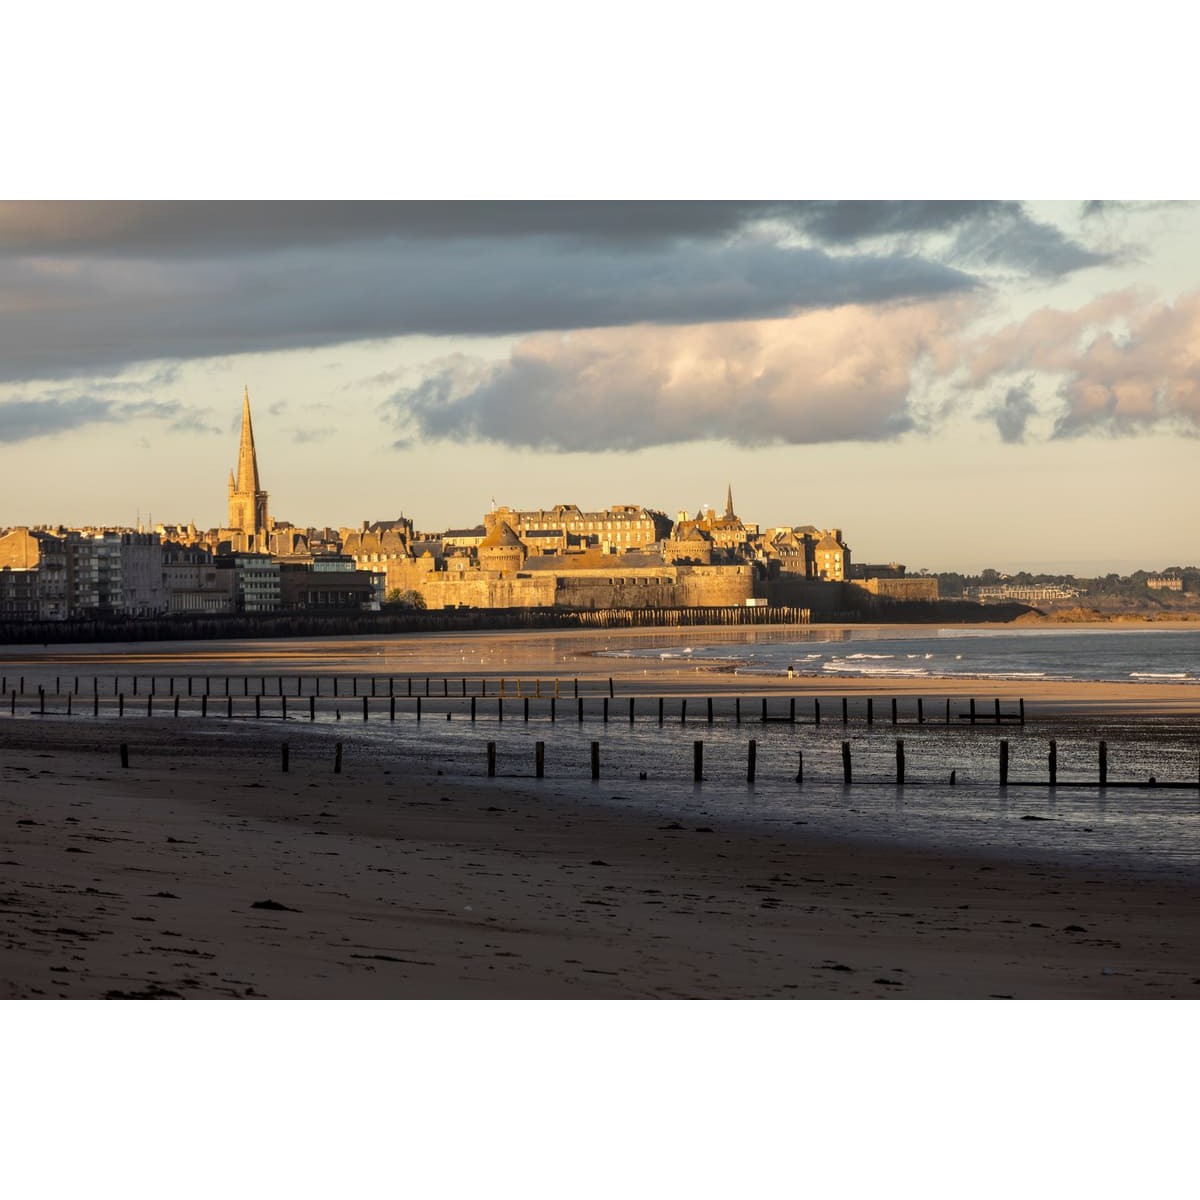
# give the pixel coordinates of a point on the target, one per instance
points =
(1121, 655)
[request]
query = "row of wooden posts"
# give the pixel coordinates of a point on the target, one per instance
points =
(506, 687)
(539, 761)
(972, 714)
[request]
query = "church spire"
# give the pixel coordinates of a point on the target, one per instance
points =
(247, 472)
(247, 500)
(729, 503)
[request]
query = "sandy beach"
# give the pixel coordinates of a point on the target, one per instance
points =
(203, 871)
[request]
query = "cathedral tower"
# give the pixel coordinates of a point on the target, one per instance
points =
(247, 501)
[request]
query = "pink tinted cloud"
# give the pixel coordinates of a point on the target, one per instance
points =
(1125, 363)
(840, 374)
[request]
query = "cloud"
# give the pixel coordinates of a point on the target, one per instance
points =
(303, 436)
(837, 375)
(1123, 364)
(23, 419)
(1012, 413)
(93, 287)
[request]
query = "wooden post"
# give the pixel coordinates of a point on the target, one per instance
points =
(69, 697)
(418, 708)
(611, 694)
(870, 711)
(539, 759)
(150, 705)
(283, 757)
(920, 711)
(95, 703)
(312, 708)
(553, 709)
(228, 705)
(1021, 709)
(631, 710)
(177, 706)
(283, 706)
(751, 757)
(537, 689)
(894, 715)
(427, 685)
(257, 706)
(556, 683)
(576, 689)
(737, 710)
(121, 704)
(335, 686)
(816, 711)
(445, 687)
(580, 706)
(391, 708)
(279, 681)
(899, 761)
(972, 711)
(364, 706)
(710, 711)
(124, 755)
(799, 766)
(683, 711)
(500, 708)
(595, 760)
(1103, 763)
(135, 685)
(473, 698)
(845, 711)
(41, 700)
(846, 762)
(697, 761)
(526, 703)
(491, 759)
(606, 710)
(997, 710)
(660, 710)
(1053, 762)
(337, 759)
(1004, 762)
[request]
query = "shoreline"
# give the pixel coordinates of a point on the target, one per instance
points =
(532, 655)
(399, 882)
(144, 882)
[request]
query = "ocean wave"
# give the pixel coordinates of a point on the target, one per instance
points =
(853, 656)
(846, 668)
(1008, 674)
(1159, 675)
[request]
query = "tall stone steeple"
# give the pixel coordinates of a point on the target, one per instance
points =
(247, 501)
(729, 503)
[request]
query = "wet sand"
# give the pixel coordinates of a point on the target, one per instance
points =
(151, 881)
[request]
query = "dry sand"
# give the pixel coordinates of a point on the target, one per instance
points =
(144, 882)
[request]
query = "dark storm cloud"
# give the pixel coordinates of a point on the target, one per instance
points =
(93, 287)
(1012, 413)
(105, 313)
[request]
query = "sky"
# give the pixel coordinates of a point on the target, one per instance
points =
(954, 384)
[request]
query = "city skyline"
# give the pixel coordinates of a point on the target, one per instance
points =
(957, 385)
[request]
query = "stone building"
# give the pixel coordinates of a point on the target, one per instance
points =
(617, 529)
(33, 576)
(832, 557)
